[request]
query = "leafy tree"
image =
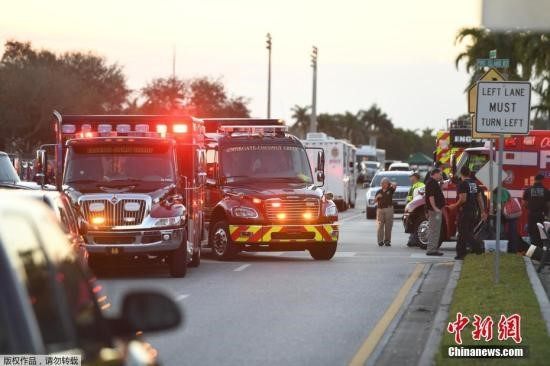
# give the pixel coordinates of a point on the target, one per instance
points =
(364, 126)
(529, 54)
(202, 97)
(35, 82)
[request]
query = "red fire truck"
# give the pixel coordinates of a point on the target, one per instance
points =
(137, 183)
(524, 157)
(261, 193)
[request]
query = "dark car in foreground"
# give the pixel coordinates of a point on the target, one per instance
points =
(49, 304)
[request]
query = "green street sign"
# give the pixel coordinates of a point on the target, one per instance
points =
(498, 63)
(493, 54)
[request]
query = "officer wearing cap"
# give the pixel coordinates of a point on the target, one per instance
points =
(535, 199)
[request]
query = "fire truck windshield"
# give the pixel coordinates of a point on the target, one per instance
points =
(473, 159)
(270, 162)
(113, 164)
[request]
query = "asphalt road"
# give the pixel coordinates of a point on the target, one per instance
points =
(281, 308)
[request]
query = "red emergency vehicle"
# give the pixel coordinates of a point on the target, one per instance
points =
(261, 193)
(137, 182)
(524, 157)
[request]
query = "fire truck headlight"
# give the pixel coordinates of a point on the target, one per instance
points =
(331, 210)
(245, 212)
(169, 221)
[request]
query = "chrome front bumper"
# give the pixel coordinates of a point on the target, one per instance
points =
(134, 242)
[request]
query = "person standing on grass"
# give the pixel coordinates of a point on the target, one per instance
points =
(469, 201)
(435, 201)
(384, 211)
(535, 199)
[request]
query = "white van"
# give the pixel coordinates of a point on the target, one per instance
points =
(340, 167)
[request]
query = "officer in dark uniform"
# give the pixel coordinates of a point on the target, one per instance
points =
(469, 199)
(535, 199)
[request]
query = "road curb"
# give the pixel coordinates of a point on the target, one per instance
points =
(397, 319)
(539, 291)
(441, 318)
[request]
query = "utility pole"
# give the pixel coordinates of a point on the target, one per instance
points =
(313, 121)
(174, 62)
(268, 46)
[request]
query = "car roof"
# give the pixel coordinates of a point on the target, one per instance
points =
(395, 172)
(48, 197)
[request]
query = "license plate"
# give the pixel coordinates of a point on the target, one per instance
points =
(114, 251)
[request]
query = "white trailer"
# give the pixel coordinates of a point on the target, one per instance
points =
(340, 167)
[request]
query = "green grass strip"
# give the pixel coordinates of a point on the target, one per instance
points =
(476, 293)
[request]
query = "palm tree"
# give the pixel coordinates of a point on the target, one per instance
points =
(301, 121)
(374, 123)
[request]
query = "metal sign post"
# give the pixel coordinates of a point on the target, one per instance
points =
(502, 108)
(499, 204)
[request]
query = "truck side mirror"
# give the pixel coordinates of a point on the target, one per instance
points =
(41, 166)
(453, 164)
(320, 176)
(320, 160)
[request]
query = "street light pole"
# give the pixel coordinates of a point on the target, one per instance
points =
(313, 121)
(268, 46)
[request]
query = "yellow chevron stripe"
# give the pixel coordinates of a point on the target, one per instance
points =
(266, 237)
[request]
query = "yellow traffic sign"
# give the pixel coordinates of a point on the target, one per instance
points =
(490, 75)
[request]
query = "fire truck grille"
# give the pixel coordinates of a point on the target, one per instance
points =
(115, 214)
(293, 209)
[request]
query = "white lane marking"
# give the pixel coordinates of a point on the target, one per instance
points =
(181, 297)
(242, 268)
(424, 256)
(345, 254)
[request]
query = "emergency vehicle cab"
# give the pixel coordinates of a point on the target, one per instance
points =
(137, 182)
(261, 194)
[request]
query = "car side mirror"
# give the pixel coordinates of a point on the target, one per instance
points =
(146, 311)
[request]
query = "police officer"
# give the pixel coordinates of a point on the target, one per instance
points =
(416, 184)
(469, 199)
(535, 199)
(384, 211)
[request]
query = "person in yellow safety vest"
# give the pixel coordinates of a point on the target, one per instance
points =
(416, 183)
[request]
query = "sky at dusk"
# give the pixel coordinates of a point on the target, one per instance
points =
(398, 54)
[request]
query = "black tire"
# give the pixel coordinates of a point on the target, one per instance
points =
(371, 213)
(420, 231)
(423, 244)
(323, 252)
(196, 259)
(177, 260)
(220, 241)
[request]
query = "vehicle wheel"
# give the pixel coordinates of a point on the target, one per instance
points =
(222, 246)
(421, 230)
(323, 252)
(196, 259)
(371, 213)
(177, 260)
